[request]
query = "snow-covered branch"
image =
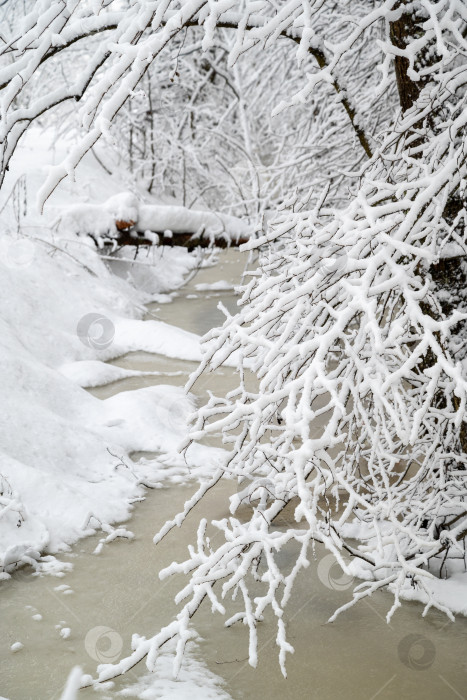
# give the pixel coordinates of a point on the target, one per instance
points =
(131, 40)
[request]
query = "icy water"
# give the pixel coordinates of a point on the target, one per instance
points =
(89, 615)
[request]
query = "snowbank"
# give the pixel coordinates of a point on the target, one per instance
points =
(55, 466)
(450, 592)
(220, 286)
(91, 373)
(64, 455)
(195, 681)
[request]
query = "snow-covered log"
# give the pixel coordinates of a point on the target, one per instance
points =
(123, 220)
(188, 240)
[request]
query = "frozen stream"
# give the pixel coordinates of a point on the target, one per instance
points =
(359, 657)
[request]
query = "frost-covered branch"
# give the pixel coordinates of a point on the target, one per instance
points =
(350, 408)
(132, 39)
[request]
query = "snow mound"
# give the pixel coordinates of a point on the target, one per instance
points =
(195, 681)
(91, 373)
(65, 465)
(65, 454)
(220, 286)
(451, 592)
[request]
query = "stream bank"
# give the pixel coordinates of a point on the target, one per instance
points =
(88, 615)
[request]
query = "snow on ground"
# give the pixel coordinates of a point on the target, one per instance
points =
(63, 313)
(451, 592)
(91, 373)
(158, 337)
(220, 286)
(195, 681)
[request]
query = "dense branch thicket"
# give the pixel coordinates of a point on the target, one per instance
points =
(349, 324)
(358, 421)
(103, 50)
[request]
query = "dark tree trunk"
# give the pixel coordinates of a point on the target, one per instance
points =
(449, 277)
(401, 32)
(185, 240)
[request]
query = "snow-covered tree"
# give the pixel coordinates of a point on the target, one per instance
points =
(350, 408)
(193, 122)
(358, 417)
(103, 51)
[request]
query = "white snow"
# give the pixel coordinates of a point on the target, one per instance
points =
(99, 219)
(64, 313)
(451, 592)
(90, 373)
(73, 684)
(220, 286)
(194, 682)
(156, 337)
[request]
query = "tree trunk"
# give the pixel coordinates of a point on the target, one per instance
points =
(448, 277)
(401, 32)
(185, 240)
